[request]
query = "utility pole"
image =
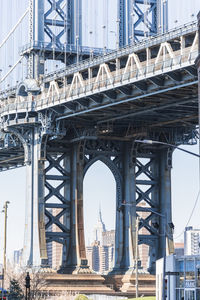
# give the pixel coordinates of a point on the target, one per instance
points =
(136, 258)
(5, 210)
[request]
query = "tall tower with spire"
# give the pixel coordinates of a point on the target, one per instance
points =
(99, 229)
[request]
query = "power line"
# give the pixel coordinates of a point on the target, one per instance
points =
(13, 158)
(195, 204)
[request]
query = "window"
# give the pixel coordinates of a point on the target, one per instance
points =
(189, 270)
(180, 269)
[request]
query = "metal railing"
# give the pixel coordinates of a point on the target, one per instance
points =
(92, 86)
(145, 43)
(69, 48)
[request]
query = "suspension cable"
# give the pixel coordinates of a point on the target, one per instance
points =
(13, 67)
(14, 28)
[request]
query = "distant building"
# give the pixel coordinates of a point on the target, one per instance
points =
(108, 238)
(182, 278)
(191, 241)
(54, 250)
(17, 255)
(99, 229)
(101, 252)
(143, 248)
(49, 254)
(179, 249)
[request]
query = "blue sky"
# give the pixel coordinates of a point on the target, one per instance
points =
(99, 185)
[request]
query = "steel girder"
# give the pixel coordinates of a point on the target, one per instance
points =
(137, 18)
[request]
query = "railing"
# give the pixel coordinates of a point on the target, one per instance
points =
(91, 86)
(69, 48)
(135, 47)
(147, 42)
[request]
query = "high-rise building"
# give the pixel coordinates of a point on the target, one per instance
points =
(54, 250)
(100, 253)
(99, 229)
(17, 255)
(191, 241)
(179, 249)
(108, 238)
(144, 249)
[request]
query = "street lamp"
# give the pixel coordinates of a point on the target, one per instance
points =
(151, 142)
(164, 256)
(5, 210)
(136, 257)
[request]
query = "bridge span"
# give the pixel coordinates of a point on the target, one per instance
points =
(61, 123)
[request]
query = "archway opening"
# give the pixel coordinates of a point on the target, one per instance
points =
(99, 196)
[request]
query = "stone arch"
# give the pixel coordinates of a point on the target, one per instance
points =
(119, 211)
(114, 170)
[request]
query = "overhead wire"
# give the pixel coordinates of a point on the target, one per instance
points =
(10, 159)
(195, 204)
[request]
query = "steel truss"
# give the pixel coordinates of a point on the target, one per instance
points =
(153, 201)
(54, 25)
(137, 18)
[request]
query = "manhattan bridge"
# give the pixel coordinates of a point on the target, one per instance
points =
(74, 103)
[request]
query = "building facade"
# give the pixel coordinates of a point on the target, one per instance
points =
(191, 241)
(182, 278)
(54, 250)
(17, 257)
(100, 254)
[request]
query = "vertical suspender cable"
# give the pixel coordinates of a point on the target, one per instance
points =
(133, 21)
(145, 17)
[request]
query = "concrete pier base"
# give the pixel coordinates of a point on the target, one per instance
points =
(122, 285)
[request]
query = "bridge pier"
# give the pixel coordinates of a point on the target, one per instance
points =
(55, 199)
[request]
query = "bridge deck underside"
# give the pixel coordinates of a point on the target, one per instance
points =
(174, 108)
(173, 111)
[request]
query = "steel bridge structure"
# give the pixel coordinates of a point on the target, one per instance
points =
(97, 108)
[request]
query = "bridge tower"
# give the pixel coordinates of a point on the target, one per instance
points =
(141, 18)
(54, 28)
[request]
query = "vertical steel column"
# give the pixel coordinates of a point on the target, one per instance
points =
(75, 260)
(162, 16)
(34, 253)
(76, 22)
(36, 37)
(166, 234)
(129, 203)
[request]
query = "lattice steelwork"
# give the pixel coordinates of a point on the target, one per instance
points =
(54, 29)
(153, 200)
(137, 19)
(56, 180)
